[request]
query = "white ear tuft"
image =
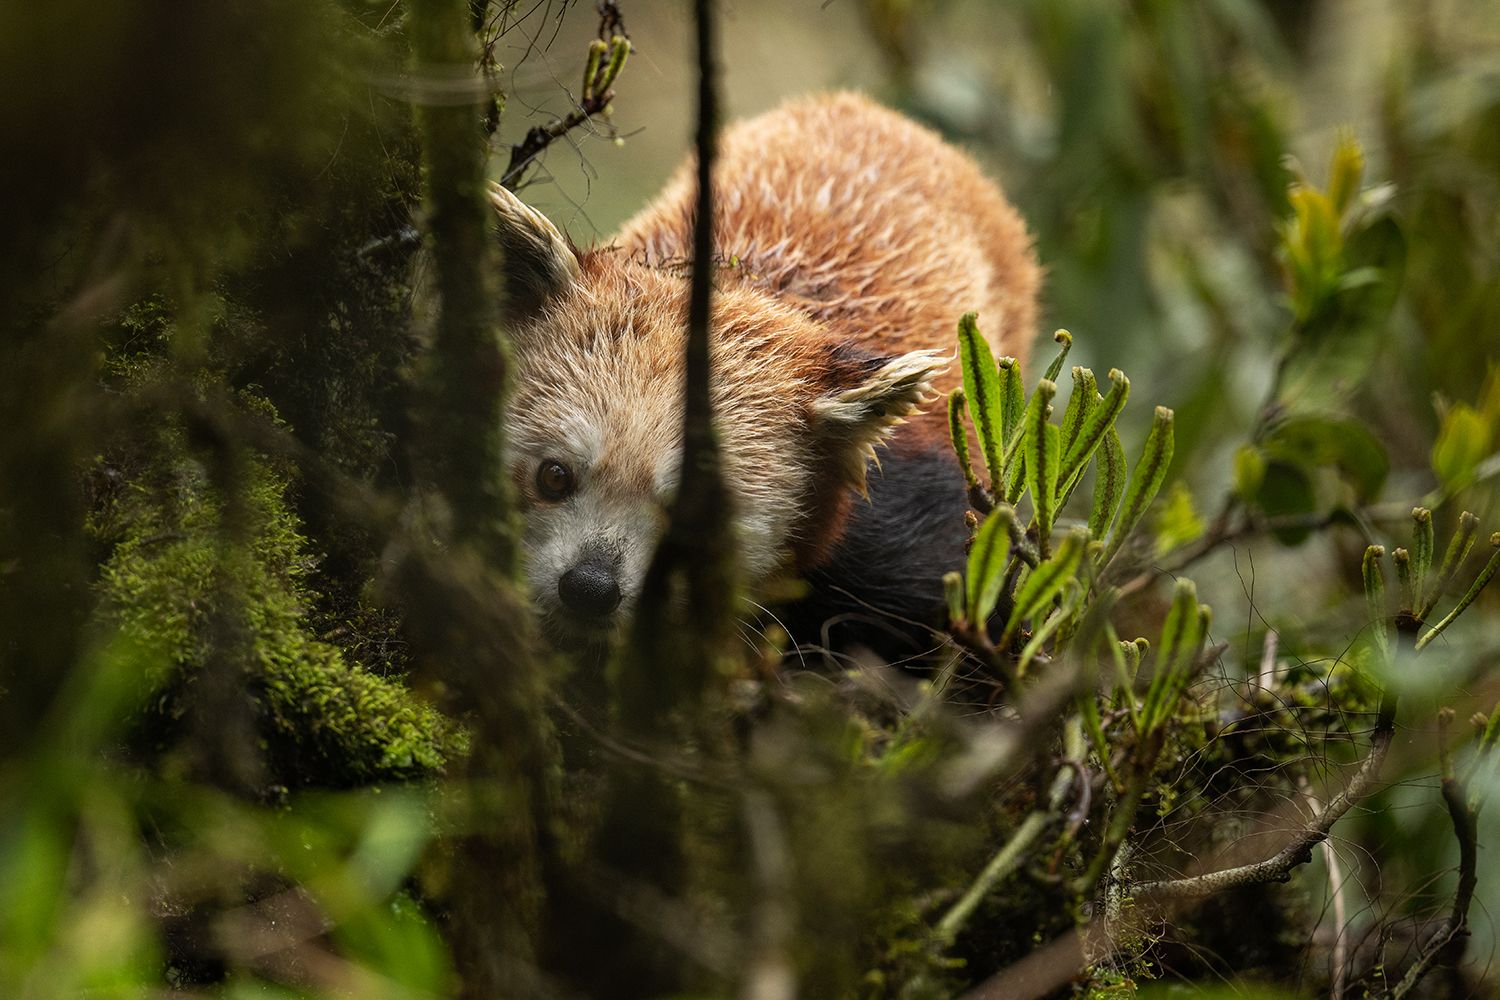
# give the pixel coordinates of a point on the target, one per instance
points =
(853, 421)
(538, 260)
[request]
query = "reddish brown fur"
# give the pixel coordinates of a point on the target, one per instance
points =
(863, 219)
(870, 224)
(850, 240)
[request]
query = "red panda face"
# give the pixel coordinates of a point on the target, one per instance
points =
(593, 443)
(593, 424)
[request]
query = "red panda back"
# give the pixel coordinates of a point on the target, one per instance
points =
(869, 222)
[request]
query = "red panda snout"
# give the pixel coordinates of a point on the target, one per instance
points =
(591, 588)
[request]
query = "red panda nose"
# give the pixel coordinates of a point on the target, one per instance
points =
(590, 589)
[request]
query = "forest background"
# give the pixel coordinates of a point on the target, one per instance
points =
(268, 729)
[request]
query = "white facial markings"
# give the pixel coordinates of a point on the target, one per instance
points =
(612, 513)
(604, 389)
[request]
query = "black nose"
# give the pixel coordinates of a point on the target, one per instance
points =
(590, 589)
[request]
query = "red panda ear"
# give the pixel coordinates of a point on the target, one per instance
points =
(876, 394)
(539, 262)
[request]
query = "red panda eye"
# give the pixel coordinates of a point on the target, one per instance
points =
(554, 480)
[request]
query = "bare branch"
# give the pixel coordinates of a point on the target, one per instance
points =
(1447, 943)
(771, 974)
(605, 59)
(687, 603)
(1339, 960)
(1278, 867)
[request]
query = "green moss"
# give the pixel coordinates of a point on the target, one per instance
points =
(324, 719)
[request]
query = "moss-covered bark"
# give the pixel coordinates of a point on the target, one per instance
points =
(323, 718)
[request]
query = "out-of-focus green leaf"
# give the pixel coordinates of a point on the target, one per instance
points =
(402, 943)
(1177, 523)
(1249, 471)
(1457, 551)
(953, 595)
(1374, 581)
(1422, 545)
(1286, 490)
(1314, 441)
(1071, 597)
(1470, 596)
(1336, 344)
(1345, 172)
(1463, 441)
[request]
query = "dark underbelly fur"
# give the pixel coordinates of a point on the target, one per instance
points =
(883, 588)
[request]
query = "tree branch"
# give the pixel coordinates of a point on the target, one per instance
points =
(605, 60)
(1446, 944)
(1278, 867)
(686, 610)
(771, 973)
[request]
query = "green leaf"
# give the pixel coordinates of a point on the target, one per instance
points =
(1109, 484)
(597, 49)
(1098, 423)
(1012, 399)
(1081, 403)
(982, 391)
(1046, 581)
(1458, 550)
(1402, 559)
(953, 595)
(1049, 627)
(1015, 465)
(987, 560)
(1145, 481)
(1042, 449)
(1470, 596)
(1064, 338)
(1315, 441)
(619, 50)
(1249, 471)
(1345, 172)
(1421, 553)
(1181, 637)
(1286, 491)
(1338, 341)
(959, 436)
(1463, 441)
(1374, 579)
(1178, 522)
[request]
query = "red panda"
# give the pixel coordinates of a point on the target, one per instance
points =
(848, 241)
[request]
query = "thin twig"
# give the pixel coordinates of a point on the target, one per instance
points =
(686, 608)
(771, 974)
(1278, 867)
(1005, 861)
(1298, 851)
(1339, 960)
(594, 101)
(1014, 852)
(1446, 944)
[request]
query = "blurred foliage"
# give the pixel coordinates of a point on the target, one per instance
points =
(271, 720)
